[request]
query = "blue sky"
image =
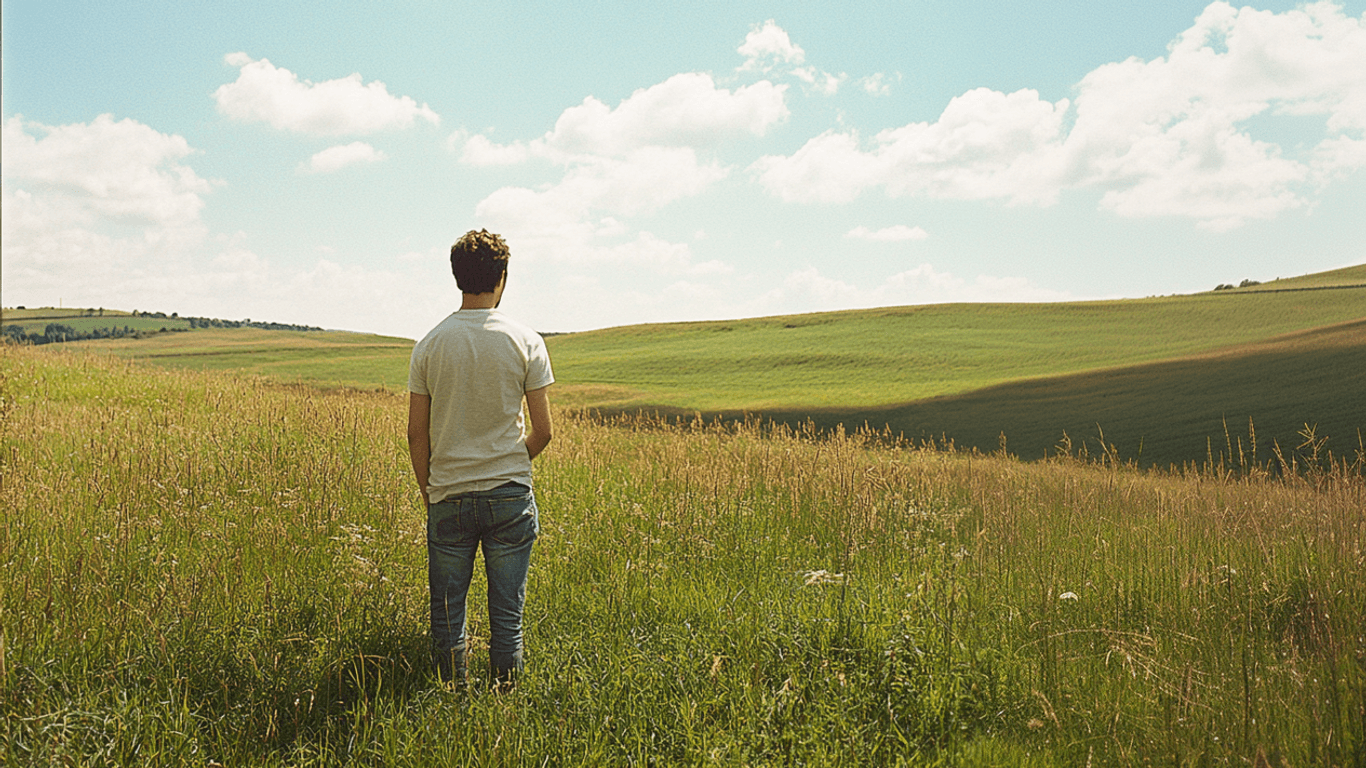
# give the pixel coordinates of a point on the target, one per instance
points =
(710, 160)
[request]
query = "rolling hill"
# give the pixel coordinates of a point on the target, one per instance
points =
(1165, 379)
(326, 358)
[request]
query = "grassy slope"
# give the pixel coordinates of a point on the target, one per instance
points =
(1355, 275)
(1158, 375)
(324, 357)
(885, 357)
(205, 569)
(1159, 412)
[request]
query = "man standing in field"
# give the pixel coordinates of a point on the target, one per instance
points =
(472, 456)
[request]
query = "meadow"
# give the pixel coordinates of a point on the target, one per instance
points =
(221, 569)
(1161, 381)
(891, 356)
(321, 358)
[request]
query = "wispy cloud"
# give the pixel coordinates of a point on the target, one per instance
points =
(342, 155)
(896, 233)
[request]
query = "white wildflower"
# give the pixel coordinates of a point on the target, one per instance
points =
(822, 577)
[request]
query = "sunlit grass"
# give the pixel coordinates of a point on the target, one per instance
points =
(209, 568)
(326, 358)
(896, 355)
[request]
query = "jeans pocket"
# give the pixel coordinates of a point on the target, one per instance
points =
(514, 519)
(446, 524)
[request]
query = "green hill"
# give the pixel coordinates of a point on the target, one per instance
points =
(1210, 405)
(887, 357)
(1336, 278)
(1160, 376)
(328, 358)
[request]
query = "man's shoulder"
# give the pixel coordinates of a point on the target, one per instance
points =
(481, 328)
(521, 331)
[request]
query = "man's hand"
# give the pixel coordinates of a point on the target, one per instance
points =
(538, 408)
(420, 439)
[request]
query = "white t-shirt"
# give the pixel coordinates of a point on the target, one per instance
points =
(477, 365)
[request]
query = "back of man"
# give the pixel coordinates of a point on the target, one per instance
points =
(477, 365)
(472, 456)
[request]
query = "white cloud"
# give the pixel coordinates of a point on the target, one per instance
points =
(265, 93)
(642, 182)
(985, 145)
(623, 162)
(478, 150)
(1155, 138)
(107, 213)
(94, 203)
(767, 45)
(110, 169)
(342, 155)
(687, 110)
(823, 83)
(878, 84)
(768, 48)
(894, 234)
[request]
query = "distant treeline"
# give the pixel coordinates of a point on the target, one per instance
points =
(58, 332)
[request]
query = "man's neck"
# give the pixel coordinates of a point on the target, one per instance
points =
(479, 300)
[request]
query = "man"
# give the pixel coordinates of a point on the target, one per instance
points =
(472, 456)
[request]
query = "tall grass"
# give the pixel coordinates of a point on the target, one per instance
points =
(199, 568)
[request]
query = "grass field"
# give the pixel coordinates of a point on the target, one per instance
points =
(1336, 278)
(210, 569)
(1239, 403)
(881, 357)
(328, 358)
(1164, 380)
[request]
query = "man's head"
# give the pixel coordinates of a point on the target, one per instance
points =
(479, 261)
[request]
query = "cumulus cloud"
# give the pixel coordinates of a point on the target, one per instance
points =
(266, 93)
(687, 110)
(766, 46)
(478, 150)
(117, 169)
(894, 234)
(564, 223)
(92, 208)
(1167, 137)
(654, 148)
(94, 201)
(342, 155)
(108, 213)
(768, 49)
(986, 144)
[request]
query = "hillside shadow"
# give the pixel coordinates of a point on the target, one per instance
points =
(1157, 414)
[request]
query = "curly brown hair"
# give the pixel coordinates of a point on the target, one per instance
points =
(478, 261)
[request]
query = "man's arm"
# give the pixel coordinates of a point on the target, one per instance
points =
(419, 438)
(538, 408)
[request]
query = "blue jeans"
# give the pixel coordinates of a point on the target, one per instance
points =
(504, 522)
